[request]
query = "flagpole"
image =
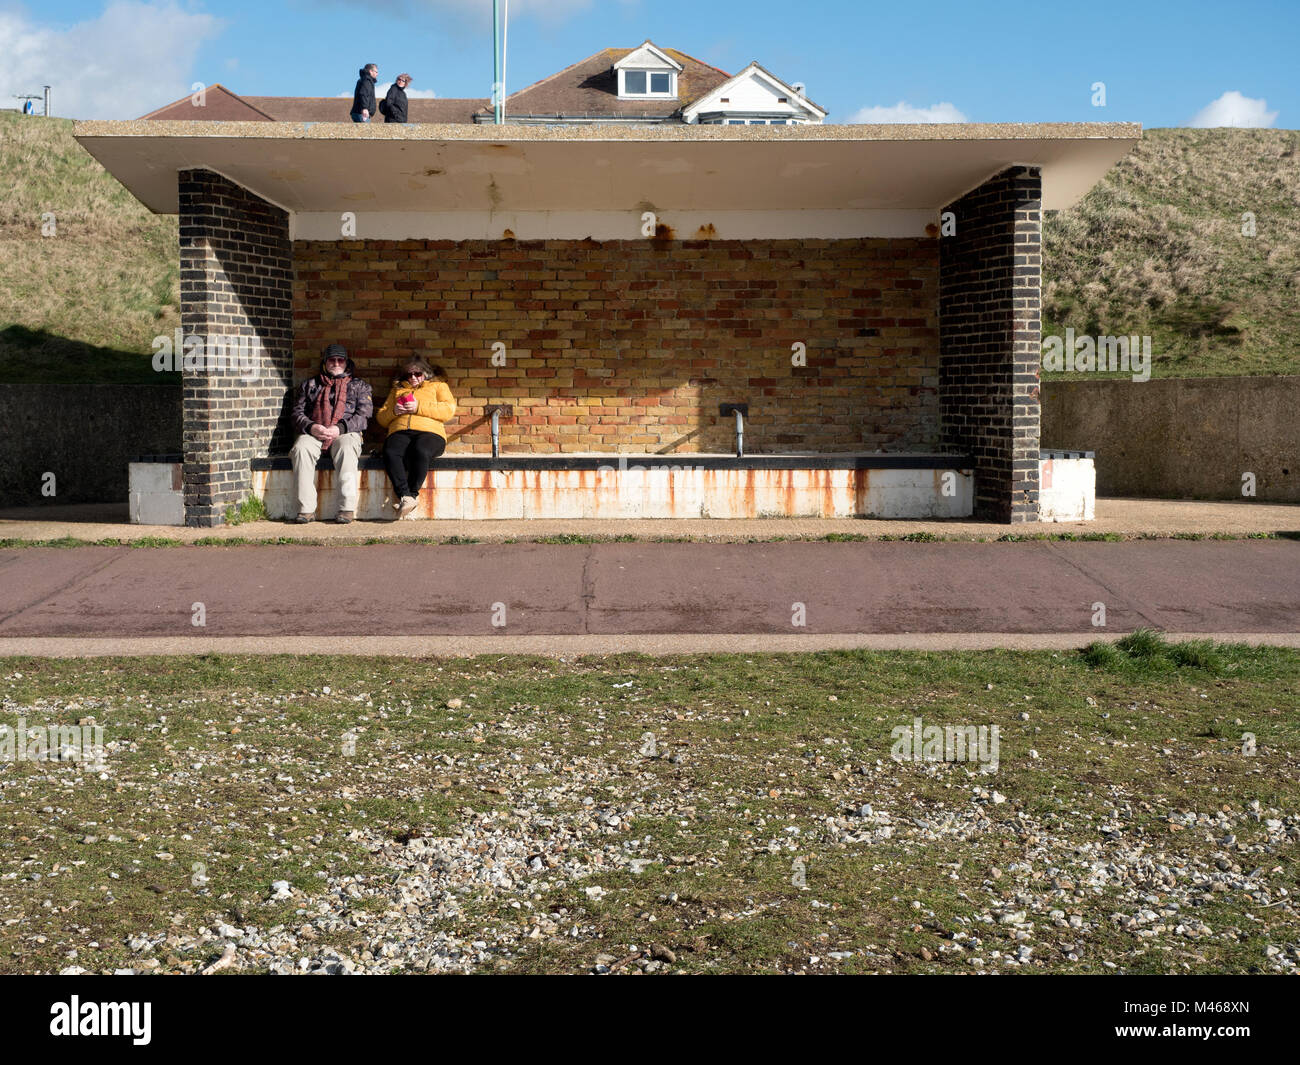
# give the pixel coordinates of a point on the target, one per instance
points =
(496, 62)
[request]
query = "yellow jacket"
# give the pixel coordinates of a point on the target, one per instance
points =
(436, 405)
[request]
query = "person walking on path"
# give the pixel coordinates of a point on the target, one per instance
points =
(363, 96)
(394, 106)
(418, 405)
(331, 411)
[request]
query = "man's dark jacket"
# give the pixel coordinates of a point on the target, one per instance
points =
(363, 96)
(358, 407)
(396, 101)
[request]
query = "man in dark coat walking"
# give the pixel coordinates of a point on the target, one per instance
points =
(363, 96)
(394, 105)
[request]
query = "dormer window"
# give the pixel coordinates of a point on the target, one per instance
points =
(647, 73)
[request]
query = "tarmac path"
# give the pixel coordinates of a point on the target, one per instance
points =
(492, 592)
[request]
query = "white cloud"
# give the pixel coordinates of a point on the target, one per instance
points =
(132, 59)
(905, 112)
(424, 94)
(1233, 109)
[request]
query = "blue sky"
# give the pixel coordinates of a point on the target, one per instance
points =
(1161, 63)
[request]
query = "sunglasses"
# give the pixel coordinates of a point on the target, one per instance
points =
(415, 373)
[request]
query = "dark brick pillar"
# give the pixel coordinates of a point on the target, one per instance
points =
(236, 282)
(990, 340)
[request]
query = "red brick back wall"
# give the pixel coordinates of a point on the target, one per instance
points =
(631, 345)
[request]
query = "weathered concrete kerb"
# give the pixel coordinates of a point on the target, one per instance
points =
(504, 591)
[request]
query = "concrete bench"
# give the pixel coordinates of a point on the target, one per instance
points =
(650, 486)
(616, 486)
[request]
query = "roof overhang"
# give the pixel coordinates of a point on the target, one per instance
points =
(321, 167)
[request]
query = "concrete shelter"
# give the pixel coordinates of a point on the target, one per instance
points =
(868, 295)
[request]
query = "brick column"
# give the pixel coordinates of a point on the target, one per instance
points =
(236, 282)
(990, 340)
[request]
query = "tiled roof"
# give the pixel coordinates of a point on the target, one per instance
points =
(587, 89)
(338, 108)
(590, 89)
(219, 105)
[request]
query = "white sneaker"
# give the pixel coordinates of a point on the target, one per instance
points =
(406, 506)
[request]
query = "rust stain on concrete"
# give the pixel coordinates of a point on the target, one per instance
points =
(593, 493)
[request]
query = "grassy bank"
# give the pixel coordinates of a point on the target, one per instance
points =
(86, 302)
(1156, 249)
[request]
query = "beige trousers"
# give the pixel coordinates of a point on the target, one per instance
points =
(346, 453)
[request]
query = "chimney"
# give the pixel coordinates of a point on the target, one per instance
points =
(47, 101)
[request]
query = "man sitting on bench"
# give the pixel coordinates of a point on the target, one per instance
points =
(331, 411)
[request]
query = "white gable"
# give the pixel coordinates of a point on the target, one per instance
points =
(754, 93)
(647, 57)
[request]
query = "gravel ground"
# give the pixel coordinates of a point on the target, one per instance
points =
(559, 830)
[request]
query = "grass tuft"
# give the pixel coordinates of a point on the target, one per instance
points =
(1146, 650)
(251, 509)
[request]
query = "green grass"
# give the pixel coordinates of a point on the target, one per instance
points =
(10, 543)
(235, 763)
(1147, 652)
(251, 509)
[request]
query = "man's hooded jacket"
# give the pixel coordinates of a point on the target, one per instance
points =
(363, 96)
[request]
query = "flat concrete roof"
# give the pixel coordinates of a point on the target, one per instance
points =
(334, 166)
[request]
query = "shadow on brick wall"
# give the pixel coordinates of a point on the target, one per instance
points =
(71, 443)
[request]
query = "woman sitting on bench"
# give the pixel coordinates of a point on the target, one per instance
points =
(418, 405)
